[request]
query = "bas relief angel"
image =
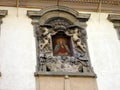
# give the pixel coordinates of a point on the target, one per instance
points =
(62, 43)
(76, 37)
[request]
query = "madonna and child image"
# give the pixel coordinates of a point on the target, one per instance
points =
(62, 47)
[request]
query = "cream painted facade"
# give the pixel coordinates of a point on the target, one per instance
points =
(18, 51)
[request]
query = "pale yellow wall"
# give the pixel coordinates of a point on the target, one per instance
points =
(18, 55)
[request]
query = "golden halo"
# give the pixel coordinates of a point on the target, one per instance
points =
(61, 40)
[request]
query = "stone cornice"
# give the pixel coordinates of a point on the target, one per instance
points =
(57, 11)
(3, 13)
(80, 16)
(115, 19)
(74, 74)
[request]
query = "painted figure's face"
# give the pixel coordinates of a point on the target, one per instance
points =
(61, 42)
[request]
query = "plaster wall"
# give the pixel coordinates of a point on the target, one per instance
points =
(104, 48)
(18, 52)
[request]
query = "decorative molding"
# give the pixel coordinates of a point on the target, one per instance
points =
(61, 23)
(3, 13)
(68, 13)
(115, 19)
(77, 74)
(109, 6)
(60, 8)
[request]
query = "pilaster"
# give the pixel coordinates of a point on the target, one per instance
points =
(3, 13)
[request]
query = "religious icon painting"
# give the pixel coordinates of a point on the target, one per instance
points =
(62, 45)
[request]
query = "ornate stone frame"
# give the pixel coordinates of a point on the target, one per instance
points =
(115, 19)
(3, 13)
(45, 20)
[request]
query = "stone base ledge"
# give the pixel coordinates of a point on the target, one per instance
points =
(73, 74)
(66, 83)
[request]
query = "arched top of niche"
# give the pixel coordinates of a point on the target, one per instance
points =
(59, 8)
(55, 14)
(47, 13)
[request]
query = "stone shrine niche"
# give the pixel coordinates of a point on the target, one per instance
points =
(61, 42)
